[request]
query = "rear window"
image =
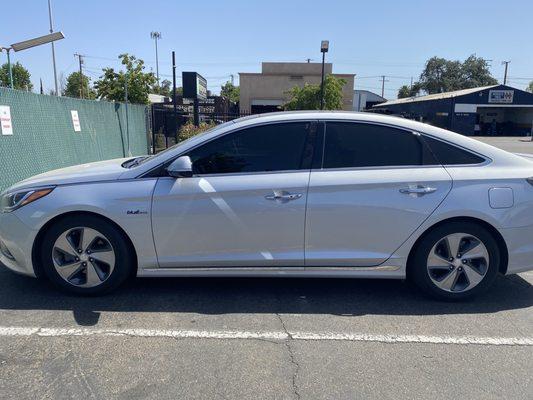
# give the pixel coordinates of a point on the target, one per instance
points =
(448, 154)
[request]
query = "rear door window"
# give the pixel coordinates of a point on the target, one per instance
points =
(356, 145)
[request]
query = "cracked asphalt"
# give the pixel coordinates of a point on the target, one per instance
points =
(276, 365)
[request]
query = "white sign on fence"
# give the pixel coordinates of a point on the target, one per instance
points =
(75, 120)
(5, 120)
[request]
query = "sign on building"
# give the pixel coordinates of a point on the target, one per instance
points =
(5, 120)
(75, 120)
(501, 96)
(194, 86)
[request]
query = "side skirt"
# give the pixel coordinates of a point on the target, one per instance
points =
(381, 271)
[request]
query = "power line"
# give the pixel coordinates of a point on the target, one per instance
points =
(519, 78)
(388, 76)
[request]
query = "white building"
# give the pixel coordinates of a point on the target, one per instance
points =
(363, 99)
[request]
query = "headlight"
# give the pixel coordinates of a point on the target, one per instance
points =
(14, 200)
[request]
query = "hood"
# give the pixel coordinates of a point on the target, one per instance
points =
(91, 172)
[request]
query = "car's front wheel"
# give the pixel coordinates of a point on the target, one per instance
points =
(85, 254)
(455, 261)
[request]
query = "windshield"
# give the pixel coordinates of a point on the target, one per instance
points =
(141, 160)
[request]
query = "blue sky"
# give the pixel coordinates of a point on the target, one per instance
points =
(219, 38)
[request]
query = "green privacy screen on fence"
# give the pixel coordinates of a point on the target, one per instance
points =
(46, 135)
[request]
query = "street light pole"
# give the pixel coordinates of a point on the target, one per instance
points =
(28, 44)
(53, 48)
(174, 104)
(156, 36)
(126, 112)
(10, 68)
(324, 47)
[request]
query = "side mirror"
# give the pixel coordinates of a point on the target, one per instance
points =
(181, 167)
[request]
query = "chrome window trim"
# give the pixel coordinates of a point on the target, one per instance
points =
(325, 121)
(381, 167)
(288, 171)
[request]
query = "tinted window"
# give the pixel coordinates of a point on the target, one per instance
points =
(351, 144)
(447, 154)
(274, 147)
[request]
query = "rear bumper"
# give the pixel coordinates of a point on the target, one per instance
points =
(16, 244)
(520, 247)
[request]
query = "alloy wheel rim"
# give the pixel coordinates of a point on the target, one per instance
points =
(458, 262)
(83, 257)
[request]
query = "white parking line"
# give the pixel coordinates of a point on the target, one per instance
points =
(274, 336)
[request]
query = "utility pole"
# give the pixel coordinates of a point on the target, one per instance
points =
(53, 48)
(505, 73)
(232, 84)
(156, 36)
(80, 61)
(383, 80)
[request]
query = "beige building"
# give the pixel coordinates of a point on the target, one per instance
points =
(267, 91)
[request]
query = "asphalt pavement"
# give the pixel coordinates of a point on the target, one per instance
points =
(265, 339)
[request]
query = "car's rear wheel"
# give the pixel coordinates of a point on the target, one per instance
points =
(86, 255)
(455, 261)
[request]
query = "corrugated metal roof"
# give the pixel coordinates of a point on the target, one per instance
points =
(436, 96)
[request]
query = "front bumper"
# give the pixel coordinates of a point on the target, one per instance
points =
(17, 242)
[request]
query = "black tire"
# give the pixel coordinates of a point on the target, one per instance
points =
(418, 271)
(124, 259)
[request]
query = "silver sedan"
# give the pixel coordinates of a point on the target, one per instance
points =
(314, 194)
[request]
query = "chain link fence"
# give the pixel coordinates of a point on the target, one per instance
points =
(49, 132)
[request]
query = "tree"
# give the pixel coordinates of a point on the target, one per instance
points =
(530, 87)
(21, 77)
(408, 91)
(308, 96)
(112, 85)
(230, 92)
(164, 88)
(441, 75)
(404, 92)
(79, 88)
(475, 73)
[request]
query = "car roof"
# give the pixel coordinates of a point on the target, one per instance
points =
(477, 146)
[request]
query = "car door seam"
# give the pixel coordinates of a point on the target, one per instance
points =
(152, 222)
(305, 218)
(425, 219)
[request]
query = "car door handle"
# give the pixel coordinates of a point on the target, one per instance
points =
(283, 196)
(418, 190)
